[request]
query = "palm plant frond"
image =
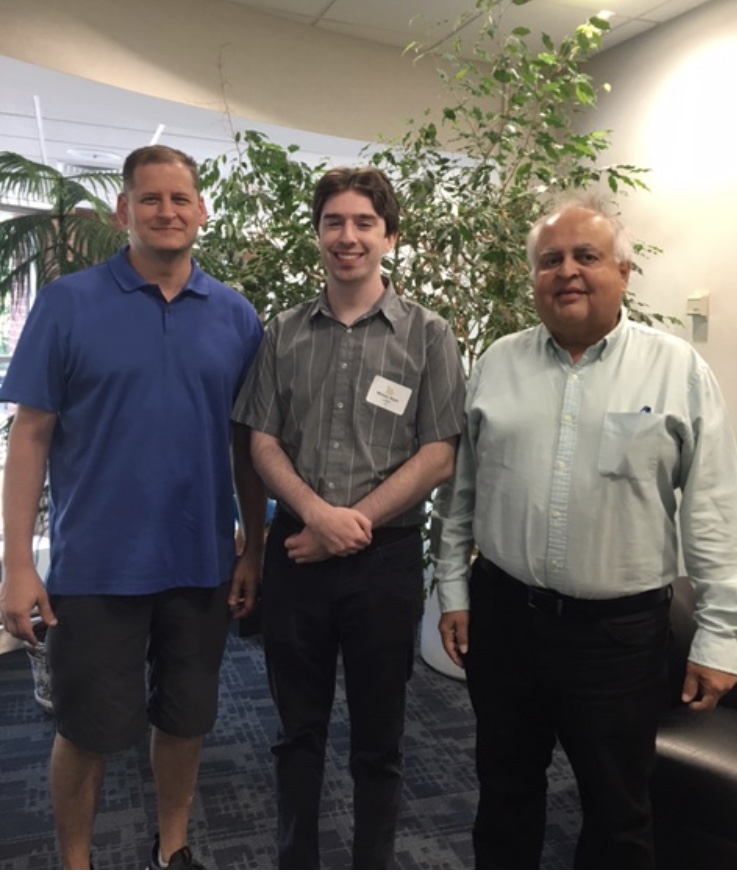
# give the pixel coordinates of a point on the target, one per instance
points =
(28, 180)
(71, 227)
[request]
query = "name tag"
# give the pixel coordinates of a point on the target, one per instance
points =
(388, 395)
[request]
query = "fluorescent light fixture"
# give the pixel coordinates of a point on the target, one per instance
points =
(157, 134)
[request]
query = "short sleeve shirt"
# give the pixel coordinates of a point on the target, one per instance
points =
(350, 405)
(139, 466)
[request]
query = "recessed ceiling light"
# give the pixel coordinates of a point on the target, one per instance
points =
(91, 155)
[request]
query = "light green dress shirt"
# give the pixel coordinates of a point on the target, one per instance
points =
(573, 476)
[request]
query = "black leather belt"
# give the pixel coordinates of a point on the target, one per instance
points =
(567, 607)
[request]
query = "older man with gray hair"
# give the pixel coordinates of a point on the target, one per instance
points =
(580, 434)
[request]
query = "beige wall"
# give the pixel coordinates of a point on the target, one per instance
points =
(184, 50)
(672, 109)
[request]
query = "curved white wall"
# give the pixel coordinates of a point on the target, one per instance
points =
(194, 51)
(672, 109)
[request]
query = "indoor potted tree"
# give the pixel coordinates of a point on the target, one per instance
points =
(511, 138)
(61, 223)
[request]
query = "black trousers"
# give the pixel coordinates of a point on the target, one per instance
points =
(596, 685)
(367, 607)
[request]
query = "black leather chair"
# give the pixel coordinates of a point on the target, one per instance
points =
(695, 783)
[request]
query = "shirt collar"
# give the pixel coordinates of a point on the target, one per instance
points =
(388, 305)
(129, 280)
(599, 350)
(614, 337)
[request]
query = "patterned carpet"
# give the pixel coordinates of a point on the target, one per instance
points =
(233, 820)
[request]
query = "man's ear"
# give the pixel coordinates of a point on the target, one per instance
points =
(121, 210)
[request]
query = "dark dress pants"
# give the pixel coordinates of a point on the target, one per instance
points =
(596, 685)
(367, 608)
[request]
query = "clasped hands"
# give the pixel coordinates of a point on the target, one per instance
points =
(330, 531)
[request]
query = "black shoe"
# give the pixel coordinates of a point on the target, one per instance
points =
(181, 859)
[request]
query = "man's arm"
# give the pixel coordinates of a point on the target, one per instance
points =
(413, 482)
(405, 487)
(708, 515)
(251, 496)
(333, 531)
(455, 514)
(25, 471)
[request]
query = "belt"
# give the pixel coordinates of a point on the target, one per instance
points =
(572, 608)
(379, 536)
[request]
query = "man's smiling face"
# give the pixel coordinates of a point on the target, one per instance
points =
(353, 238)
(579, 283)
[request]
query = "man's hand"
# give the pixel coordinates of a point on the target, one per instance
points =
(21, 592)
(330, 531)
(454, 632)
(703, 686)
(304, 547)
(245, 583)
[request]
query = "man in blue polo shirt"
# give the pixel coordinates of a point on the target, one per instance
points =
(124, 377)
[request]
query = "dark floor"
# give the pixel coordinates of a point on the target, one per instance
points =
(233, 820)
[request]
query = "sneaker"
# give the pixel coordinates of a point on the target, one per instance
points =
(181, 859)
(40, 667)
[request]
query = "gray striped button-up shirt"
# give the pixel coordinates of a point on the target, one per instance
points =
(350, 405)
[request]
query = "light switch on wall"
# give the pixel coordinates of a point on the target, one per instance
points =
(698, 304)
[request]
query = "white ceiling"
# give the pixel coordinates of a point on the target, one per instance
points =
(84, 123)
(399, 22)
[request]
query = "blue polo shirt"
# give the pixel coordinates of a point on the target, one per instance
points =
(139, 465)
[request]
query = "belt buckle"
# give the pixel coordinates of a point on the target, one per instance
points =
(545, 601)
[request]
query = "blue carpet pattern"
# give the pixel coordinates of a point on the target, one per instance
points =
(234, 814)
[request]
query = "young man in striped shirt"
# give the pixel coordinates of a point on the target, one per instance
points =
(355, 408)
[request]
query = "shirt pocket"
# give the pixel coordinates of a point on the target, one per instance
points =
(630, 445)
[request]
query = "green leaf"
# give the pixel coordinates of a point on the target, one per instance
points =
(470, 186)
(600, 23)
(68, 224)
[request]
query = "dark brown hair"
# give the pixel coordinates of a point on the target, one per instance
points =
(369, 181)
